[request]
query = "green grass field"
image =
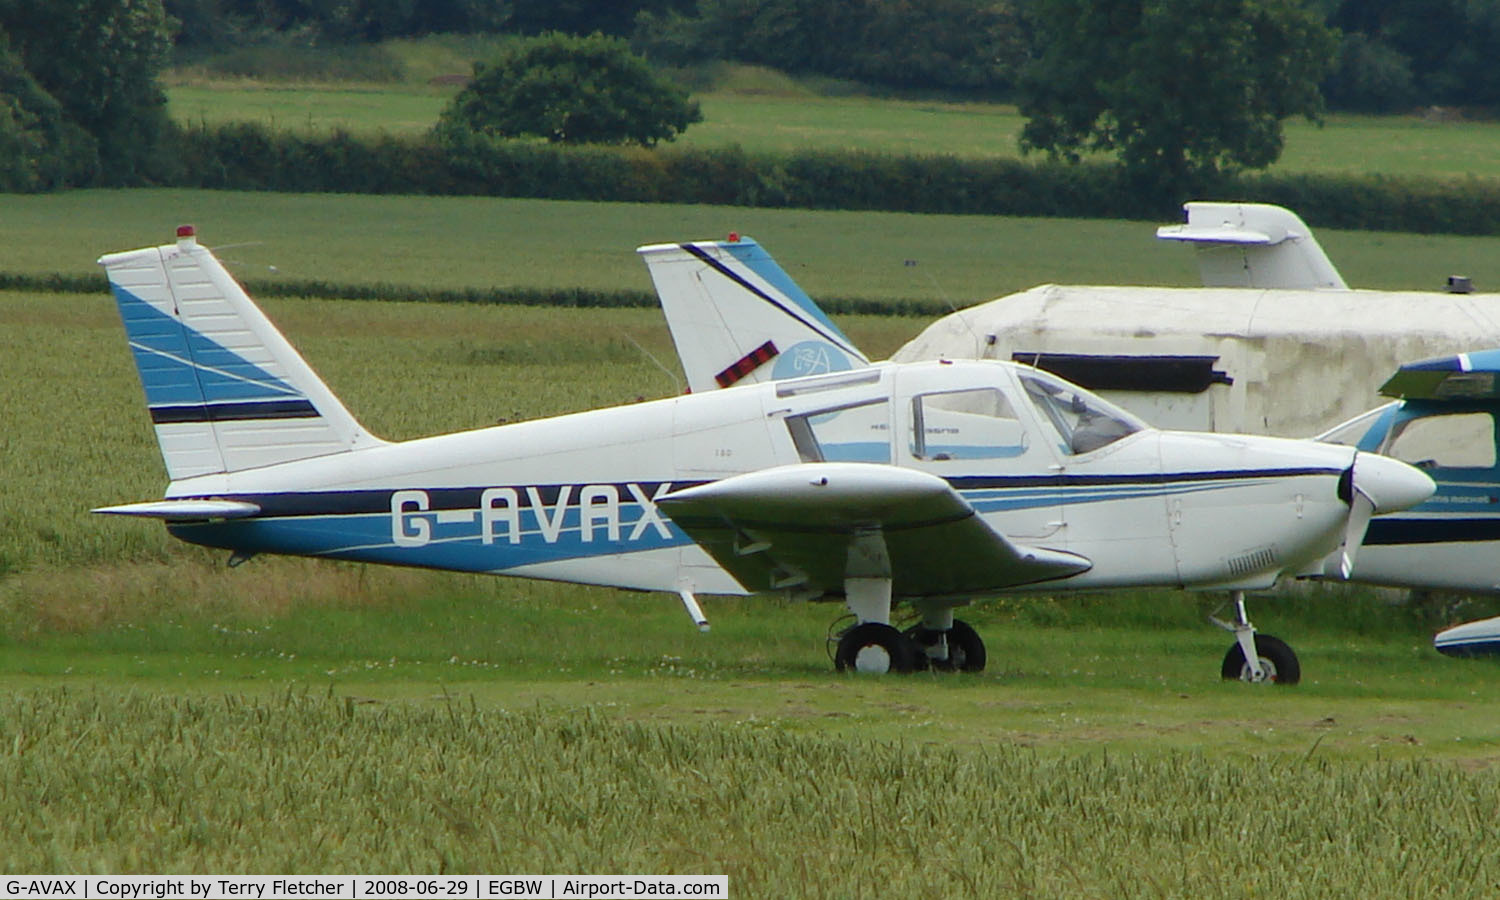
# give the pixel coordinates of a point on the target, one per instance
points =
(458, 242)
(299, 716)
(781, 118)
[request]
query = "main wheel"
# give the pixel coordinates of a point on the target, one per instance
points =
(1277, 661)
(965, 648)
(873, 647)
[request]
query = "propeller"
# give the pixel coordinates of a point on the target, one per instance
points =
(1374, 485)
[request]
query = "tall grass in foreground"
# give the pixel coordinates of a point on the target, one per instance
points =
(91, 782)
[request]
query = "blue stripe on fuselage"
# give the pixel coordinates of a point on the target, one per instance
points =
(457, 545)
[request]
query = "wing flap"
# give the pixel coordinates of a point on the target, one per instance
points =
(793, 526)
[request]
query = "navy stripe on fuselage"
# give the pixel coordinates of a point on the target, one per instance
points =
(344, 503)
(233, 411)
(1448, 529)
(976, 482)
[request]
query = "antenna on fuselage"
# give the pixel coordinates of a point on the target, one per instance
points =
(676, 382)
(979, 343)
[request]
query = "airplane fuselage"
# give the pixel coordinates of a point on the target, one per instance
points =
(1146, 508)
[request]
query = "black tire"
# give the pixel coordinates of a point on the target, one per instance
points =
(876, 648)
(965, 648)
(1276, 658)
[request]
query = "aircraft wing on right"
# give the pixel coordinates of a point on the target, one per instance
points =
(736, 317)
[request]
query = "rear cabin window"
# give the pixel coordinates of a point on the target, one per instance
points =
(972, 424)
(856, 433)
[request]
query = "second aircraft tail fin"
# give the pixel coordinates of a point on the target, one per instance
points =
(737, 317)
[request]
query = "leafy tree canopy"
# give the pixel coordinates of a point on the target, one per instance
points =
(39, 148)
(99, 60)
(964, 44)
(570, 90)
(1181, 90)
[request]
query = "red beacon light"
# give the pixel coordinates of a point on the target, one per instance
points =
(734, 237)
(186, 235)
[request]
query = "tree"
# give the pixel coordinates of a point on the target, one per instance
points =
(99, 60)
(570, 90)
(39, 148)
(1184, 91)
(946, 44)
(1447, 48)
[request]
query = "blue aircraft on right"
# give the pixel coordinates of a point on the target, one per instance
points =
(1444, 422)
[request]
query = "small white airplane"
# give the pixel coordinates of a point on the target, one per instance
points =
(1446, 418)
(929, 483)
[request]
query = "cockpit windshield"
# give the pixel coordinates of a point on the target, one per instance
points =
(1084, 421)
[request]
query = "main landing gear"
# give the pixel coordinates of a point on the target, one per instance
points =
(1254, 657)
(879, 648)
(939, 642)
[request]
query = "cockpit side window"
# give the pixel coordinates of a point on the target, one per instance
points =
(970, 424)
(1455, 441)
(1083, 422)
(859, 432)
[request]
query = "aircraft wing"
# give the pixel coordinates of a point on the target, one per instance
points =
(815, 524)
(1467, 376)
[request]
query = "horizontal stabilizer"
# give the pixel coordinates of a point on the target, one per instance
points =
(792, 526)
(183, 510)
(1213, 234)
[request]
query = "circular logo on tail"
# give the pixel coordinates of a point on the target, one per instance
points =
(810, 358)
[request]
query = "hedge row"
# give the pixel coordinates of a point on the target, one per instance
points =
(58, 283)
(246, 157)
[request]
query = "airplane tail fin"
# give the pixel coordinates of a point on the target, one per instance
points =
(737, 317)
(1254, 245)
(225, 390)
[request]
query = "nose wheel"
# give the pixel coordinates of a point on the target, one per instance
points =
(1256, 658)
(1278, 664)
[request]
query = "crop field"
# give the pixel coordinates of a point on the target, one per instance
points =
(453, 786)
(298, 716)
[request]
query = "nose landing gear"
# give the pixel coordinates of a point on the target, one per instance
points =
(1254, 657)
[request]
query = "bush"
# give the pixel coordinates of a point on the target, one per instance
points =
(574, 90)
